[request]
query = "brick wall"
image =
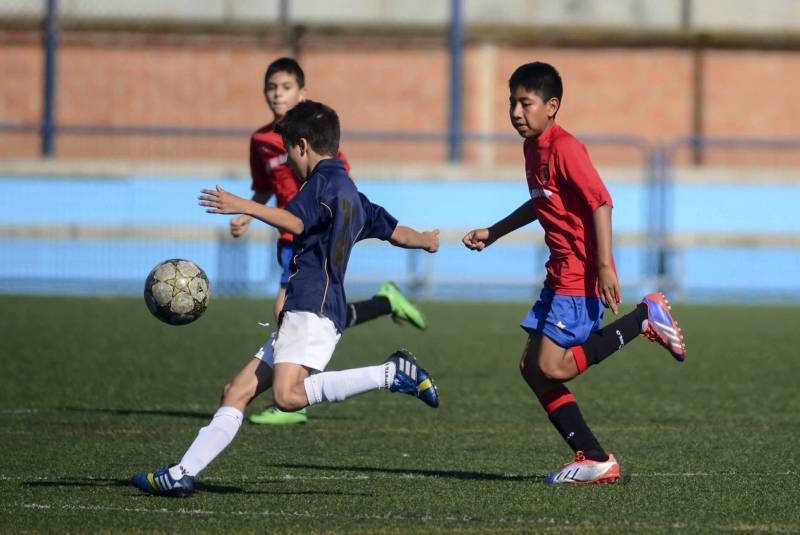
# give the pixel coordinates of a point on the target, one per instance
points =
(390, 84)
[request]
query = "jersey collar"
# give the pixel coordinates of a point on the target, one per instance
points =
(546, 138)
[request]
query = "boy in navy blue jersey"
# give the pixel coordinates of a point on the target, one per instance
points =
(327, 217)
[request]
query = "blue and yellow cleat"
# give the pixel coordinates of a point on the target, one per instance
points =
(162, 484)
(410, 378)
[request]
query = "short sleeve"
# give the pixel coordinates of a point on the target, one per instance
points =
(572, 160)
(379, 223)
(306, 204)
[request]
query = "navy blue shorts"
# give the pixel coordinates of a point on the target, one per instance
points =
(285, 254)
(567, 320)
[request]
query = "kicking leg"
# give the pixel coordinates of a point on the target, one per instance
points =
(564, 364)
(400, 373)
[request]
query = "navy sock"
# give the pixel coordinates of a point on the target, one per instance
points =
(361, 311)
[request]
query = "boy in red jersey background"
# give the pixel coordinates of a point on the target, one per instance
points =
(572, 204)
(284, 88)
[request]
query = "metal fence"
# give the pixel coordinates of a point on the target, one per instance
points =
(727, 235)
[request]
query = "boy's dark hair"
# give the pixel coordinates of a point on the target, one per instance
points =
(287, 65)
(313, 121)
(540, 78)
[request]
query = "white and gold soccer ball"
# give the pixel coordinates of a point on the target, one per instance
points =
(177, 291)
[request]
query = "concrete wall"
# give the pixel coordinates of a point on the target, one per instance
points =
(706, 14)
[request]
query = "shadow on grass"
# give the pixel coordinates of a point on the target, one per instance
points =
(451, 474)
(200, 415)
(199, 487)
(115, 482)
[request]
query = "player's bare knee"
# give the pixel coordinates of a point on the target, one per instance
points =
(551, 370)
(284, 399)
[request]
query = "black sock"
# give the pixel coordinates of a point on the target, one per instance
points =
(564, 414)
(610, 339)
(361, 311)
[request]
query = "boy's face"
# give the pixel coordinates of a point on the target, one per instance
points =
(529, 114)
(297, 157)
(283, 93)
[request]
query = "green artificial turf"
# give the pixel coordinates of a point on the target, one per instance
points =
(96, 389)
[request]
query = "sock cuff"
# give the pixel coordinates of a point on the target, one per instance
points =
(313, 390)
(640, 312)
(555, 398)
(233, 412)
(580, 358)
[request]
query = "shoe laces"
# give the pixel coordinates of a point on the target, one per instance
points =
(579, 458)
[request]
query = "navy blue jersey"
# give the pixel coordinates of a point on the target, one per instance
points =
(335, 216)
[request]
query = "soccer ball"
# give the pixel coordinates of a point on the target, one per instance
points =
(177, 291)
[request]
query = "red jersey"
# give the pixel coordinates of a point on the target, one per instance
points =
(566, 189)
(269, 168)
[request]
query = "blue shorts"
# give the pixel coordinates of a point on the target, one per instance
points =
(285, 254)
(567, 320)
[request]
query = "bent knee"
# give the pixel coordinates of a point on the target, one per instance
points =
(286, 400)
(560, 370)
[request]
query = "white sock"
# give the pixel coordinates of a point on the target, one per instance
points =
(338, 386)
(210, 442)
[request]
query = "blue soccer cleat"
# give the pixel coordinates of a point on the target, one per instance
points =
(661, 327)
(411, 379)
(162, 484)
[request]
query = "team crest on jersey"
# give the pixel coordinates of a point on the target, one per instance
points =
(278, 161)
(544, 174)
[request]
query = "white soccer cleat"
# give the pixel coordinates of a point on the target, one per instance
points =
(583, 471)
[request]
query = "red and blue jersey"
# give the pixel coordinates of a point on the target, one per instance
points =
(269, 168)
(566, 189)
(335, 216)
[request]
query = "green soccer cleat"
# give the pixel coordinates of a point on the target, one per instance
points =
(402, 309)
(275, 416)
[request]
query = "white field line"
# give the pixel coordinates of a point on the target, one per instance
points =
(576, 523)
(389, 516)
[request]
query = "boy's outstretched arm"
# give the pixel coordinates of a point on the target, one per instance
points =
(240, 224)
(408, 238)
(482, 238)
(607, 283)
(220, 201)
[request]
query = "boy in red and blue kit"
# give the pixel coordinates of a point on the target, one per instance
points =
(572, 204)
